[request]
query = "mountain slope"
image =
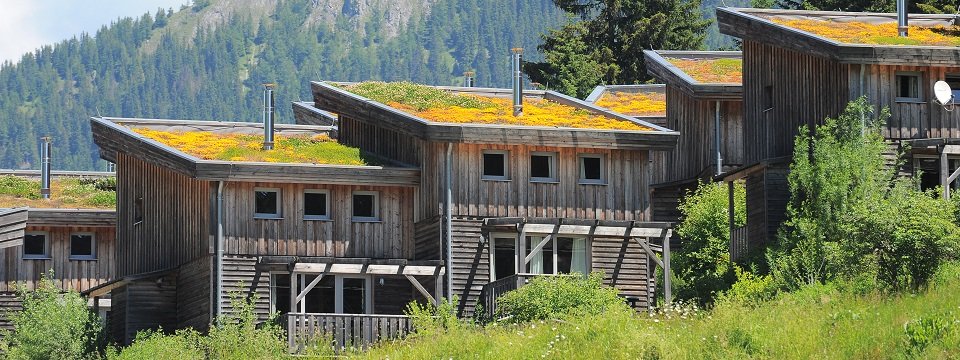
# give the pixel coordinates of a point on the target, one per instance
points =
(206, 61)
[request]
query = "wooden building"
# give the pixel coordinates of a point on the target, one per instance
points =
(504, 201)
(315, 242)
(75, 245)
(800, 67)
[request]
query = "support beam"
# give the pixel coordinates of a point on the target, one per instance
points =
(293, 291)
(953, 176)
(646, 248)
(310, 286)
(537, 248)
(731, 212)
(944, 173)
(667, 287)
(423, 291)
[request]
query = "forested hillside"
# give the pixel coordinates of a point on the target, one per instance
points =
(207, 61)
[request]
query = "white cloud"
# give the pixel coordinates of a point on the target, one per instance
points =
(18, 33)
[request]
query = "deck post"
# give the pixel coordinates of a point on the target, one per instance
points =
(731, 214)
(667, 291)
(944, 173)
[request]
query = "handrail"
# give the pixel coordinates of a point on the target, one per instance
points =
(342, 331)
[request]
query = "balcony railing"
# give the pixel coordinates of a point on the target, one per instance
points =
(738, 243)
(492, 291)
(344, 330)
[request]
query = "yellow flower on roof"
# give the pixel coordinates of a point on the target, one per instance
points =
(724, 70)
(635, 104)
(856, 32)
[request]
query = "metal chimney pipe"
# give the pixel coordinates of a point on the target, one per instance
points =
(468, 80)
(268, 116)
(903, 25)
(45, 168)
(517, 81)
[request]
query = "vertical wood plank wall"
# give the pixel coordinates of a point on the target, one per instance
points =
(767, 196)
(805, 89)
(194, 294)
(144, 304)
(377, 140)
(76, 275)
(624, 196)
(695, 120)
(175, 228)
(390, 237)
(908, 119)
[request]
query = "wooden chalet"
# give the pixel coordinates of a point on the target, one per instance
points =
(329, 247)
(501, 203)
(77, 245)
(800, 67)
(705, 105)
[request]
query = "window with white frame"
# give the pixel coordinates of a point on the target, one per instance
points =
(280, 293)
(556, 255)
(337, 294)
(543, 167)
(36, 245)
(495, 165)
(267, 203)
(316, 204)
(928, 169)
(83, 246)
(503, 258)
(365, 204)
(593, 168)
(909, 86)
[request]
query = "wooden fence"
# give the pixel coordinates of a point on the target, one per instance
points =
(344, 330)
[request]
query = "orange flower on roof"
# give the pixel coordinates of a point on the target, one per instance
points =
(707, 71)
(635, 104)
(856, 32)
(317, 149)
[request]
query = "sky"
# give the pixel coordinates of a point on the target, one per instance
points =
(26, 25)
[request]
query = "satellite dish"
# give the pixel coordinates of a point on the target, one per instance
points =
(943, 92)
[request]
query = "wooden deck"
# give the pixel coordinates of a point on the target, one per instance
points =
(344, 330)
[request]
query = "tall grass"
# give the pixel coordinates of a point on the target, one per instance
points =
(822, 322)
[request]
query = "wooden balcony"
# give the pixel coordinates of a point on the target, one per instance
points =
(344, 330)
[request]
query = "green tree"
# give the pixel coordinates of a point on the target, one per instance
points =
(615, 33)
(919, 6)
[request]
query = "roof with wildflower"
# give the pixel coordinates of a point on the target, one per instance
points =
(211, 150)
(704, 74)
(86, 190)
(647, 102)
(484, 115)
(869, 38)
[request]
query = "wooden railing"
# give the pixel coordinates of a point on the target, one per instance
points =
(344, 330)
(738, 243)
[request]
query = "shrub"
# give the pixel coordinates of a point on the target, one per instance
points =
(429, 320)
(155, 345)
(53, 325)
(925, 331)
(750, 289)
(551, 297)
(702, 266)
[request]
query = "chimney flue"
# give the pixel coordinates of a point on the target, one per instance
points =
(517, 69)
(268, 113)
(45, 168)
(468, 79)
(903, 25)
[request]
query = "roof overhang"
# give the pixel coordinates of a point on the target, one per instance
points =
(72, 217)
(363, 266)
(114, 135)
(747, 170)
(753, 25)
(12, 225)
(306, 114)
(659, 67)
(332, 98)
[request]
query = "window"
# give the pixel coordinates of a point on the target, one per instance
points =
(565, 255)
(365, 206)
(337, 294)
(82, 246)
(138, 210)
(929, 169)
(954, 81)
(35, 246)
(592, 169)
(316, 205)
(504, 259)
(908, 86)
(267, 203)
(543, 167)
(495, 165)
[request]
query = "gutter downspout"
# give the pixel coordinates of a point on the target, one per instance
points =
(716, 140)
(448, 205)
(219, 249)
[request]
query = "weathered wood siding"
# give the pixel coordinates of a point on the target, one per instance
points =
(624, 197)
(695, 119)
(804, 89)
(908, 119)
(12, 224)
(145, 304)
(76, 275)
(624, 263)
(175, 228)
(194, 293)
(767, 196)
(390, 237)
(378, 140)
(666, 200)
(9, 302)
(427, 236)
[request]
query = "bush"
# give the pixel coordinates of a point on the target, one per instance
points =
(552, 297)
(702, 266)
(429, 320)
(53, 325)
(750, 289)
(155, 345)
